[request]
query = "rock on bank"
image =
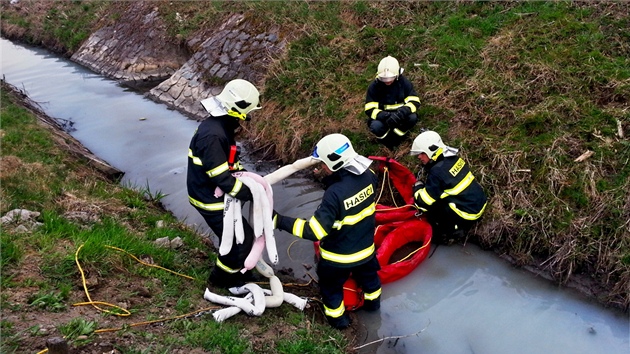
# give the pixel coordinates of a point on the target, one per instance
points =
(136, 51)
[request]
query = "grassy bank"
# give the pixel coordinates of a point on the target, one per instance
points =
(536, 94)
(94, 240)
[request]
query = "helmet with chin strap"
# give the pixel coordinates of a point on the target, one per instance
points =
(239, 97)
(334, 150)
(427, 142)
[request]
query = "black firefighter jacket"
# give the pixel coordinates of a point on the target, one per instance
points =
(400, 95)
(208, 165)
(449, 181)
(344, 222)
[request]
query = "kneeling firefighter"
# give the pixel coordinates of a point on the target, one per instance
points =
(451, 197)
(344, 225)
(212, 157)
(391, 104)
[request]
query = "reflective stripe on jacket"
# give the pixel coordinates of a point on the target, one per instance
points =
(344, 222)
(381, 97)
(449, 179)
(208, 167)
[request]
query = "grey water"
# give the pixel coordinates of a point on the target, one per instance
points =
(460, 300)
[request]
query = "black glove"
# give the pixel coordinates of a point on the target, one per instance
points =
(383, 116)
(418, 185)
(404, 111)
(394, 120)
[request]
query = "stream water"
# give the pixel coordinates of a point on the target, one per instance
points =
(460, 300)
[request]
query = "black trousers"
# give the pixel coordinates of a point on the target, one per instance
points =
(387, 135)
(446, 223)
(332, 278)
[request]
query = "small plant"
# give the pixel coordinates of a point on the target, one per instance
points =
(50, 301)
(143, 194)
(10, 339)
(153, 196)
(10, 255)
(77, 327)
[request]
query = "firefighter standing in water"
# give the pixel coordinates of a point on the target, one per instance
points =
(451, 197)
(212, 157)
(344, 225)
(391, 104)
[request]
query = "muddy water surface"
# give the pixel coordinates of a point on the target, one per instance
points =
(461, 300)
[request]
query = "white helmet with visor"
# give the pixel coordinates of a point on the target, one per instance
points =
(238, 98)
(428, 142)
(334, 150)
(388, 69)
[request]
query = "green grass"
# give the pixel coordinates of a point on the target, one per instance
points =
(523, 88)
(66, 252)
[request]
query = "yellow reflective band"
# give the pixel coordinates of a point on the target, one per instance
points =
(237, 166)
(353, 219)
(421, 208)
(195, 159)
(437, 154)
(391, 107)
(375, 113)
(317, 228)
(412, 107)
(209, 207)
(298, 227)
(237, 188)
(426, 198)
(373, 295)
(226, 268)
(235, 114)
(463, 184)
(347, 258)
(338, 312)
(399, 132)
(412, 99)
(218, 170)
(465, 215)
(384, 135)
(371, 105)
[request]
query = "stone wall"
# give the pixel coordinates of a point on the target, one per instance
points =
(235, 50)
(135, 50)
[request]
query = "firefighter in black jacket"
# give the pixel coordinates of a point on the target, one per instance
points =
(212, 157)
(391, 103)
(344, 225)
(451, 197)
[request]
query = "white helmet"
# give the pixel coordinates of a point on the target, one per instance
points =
(428, 142)
(335, 150)
(388, 69)
(239, 97)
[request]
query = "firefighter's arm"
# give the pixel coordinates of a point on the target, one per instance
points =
(412, 100)
(217, 168)
(315, 228)
(373, 109)
(425, 195)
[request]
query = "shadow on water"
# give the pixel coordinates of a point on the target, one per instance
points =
(464, 300)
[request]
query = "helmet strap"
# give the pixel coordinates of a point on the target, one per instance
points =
(236, 114)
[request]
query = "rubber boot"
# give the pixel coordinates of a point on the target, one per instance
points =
(372, 305)
(341, 322)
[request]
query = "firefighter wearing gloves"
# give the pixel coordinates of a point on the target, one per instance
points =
(391, 104)
(212, 157)
(451, 197)
(344, 225)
